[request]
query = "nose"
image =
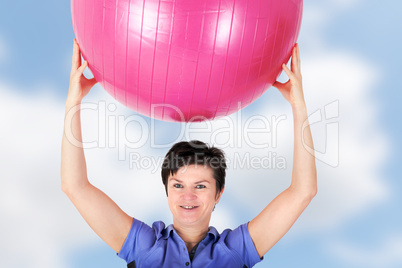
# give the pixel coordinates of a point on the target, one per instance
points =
(189, 195)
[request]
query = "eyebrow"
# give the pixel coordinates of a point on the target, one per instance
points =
(198, 182)
(202, 181)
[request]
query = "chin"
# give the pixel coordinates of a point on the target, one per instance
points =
(188, 217)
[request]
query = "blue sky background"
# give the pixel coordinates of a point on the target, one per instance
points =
(350, 54)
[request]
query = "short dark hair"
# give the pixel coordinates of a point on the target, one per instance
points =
(195, 152)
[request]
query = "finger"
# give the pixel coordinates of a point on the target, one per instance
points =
(82, 67)
(76, 61)
(79, 72)
(297, 67)
(79, 53)
(289, 73)
(73, 58)
(298, 56)
(294, 61)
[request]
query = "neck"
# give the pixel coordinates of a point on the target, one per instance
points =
(191, 235)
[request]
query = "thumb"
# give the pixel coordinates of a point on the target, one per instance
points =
(92, 82)
(88, 84)
(283, 89)
(279, 85)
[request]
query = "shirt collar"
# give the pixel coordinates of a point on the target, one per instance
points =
(168, 230)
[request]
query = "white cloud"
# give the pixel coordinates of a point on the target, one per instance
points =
(31, 204)
(385, 253)
(356, 184)
(329, 75)
(38, 217)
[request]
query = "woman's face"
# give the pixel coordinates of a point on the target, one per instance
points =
(192, 195)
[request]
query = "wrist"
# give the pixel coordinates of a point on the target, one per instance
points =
(299, 106)
(70, 103)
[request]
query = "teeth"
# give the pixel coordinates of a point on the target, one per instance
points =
(188, 206)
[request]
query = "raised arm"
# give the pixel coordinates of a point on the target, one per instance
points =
(98, 210)
(281, 213)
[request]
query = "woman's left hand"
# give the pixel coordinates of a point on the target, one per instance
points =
(79, 84)
(292, 90)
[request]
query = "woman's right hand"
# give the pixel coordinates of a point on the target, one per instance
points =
(79, 84)
(292, 90)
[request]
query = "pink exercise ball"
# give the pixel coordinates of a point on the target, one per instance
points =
(186, 60)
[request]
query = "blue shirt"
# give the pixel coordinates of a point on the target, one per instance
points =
(163, 247)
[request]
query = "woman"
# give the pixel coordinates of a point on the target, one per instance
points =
(194, 179)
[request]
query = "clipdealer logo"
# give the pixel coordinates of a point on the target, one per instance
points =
(328, 119)
(112, 133)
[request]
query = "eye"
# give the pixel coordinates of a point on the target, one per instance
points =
(178, 185)
(200, 186)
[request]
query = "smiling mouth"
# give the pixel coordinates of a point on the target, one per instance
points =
(189, 207)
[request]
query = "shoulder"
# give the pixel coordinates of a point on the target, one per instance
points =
(239, 242)
(161, 230)
(156, 231)
(241, 232)
(141, 238)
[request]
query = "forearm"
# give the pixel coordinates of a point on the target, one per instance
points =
(281, 213)
(73, 165)
(304, 175)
